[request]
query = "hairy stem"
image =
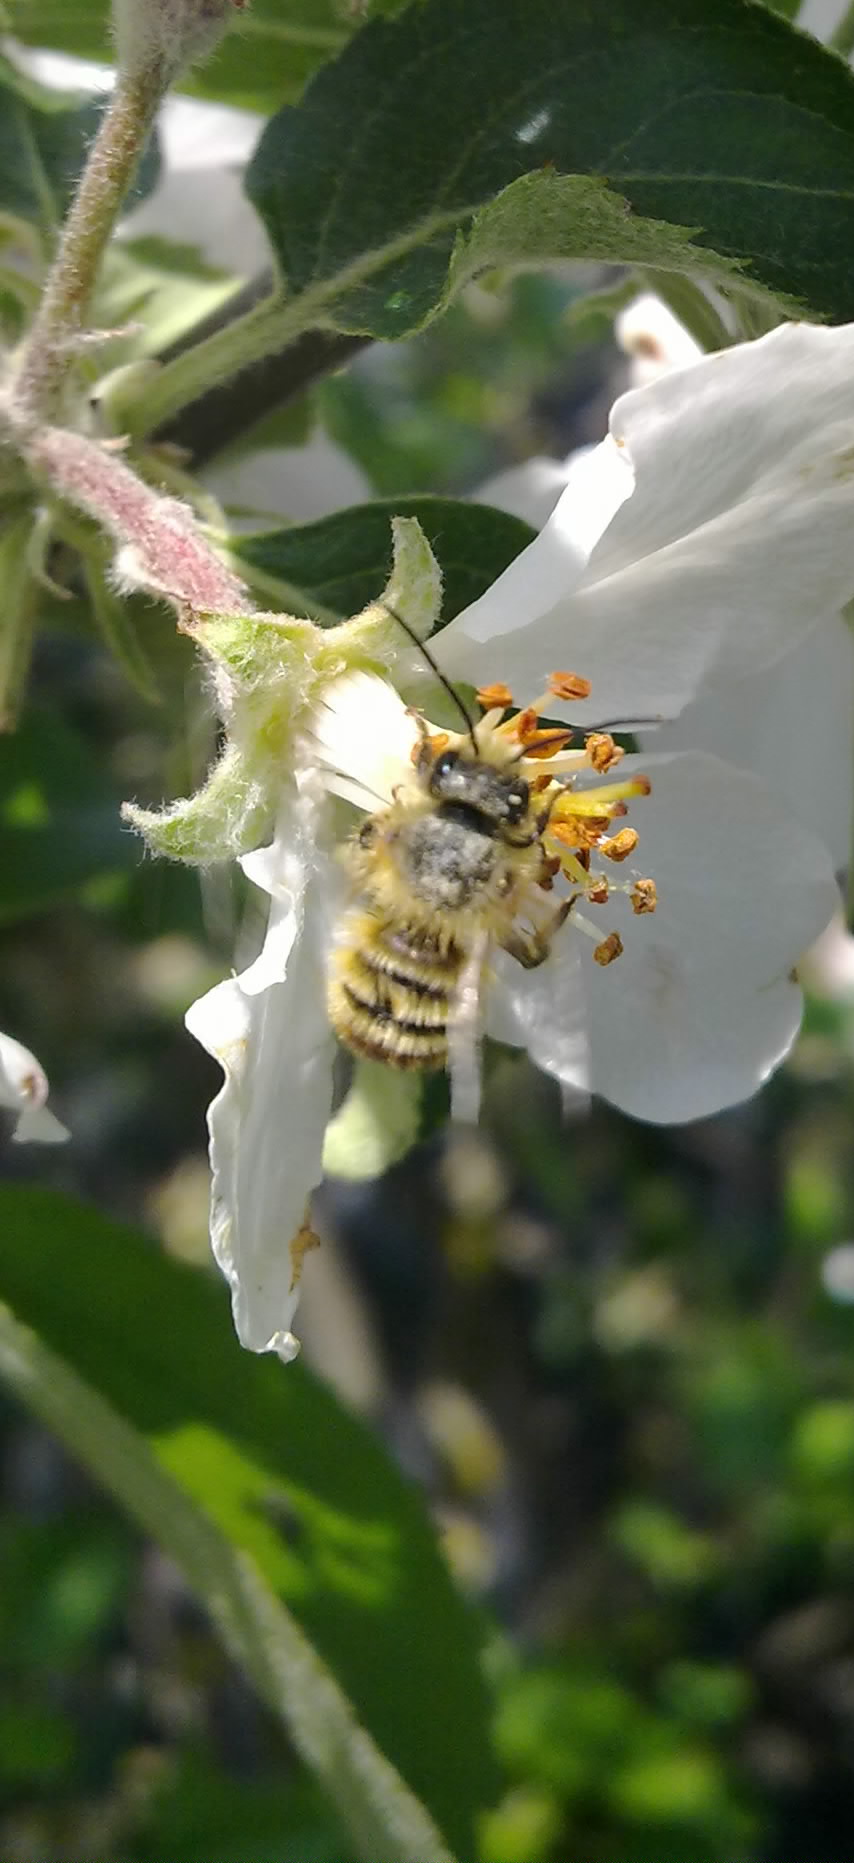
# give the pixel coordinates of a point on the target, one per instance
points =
(102, 188)
(161, 547)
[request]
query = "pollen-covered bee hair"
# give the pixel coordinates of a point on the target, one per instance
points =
(457, 863)
(452, 865)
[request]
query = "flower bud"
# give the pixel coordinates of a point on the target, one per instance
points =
(167, 35)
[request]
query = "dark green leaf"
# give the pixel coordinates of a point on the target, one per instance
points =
(340, 563)
(701, 135)
(289, 1476)
(59, 821)
(44, 137)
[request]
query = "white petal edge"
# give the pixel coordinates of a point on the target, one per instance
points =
(24, 1090)
(735, 543)
(267, 1123)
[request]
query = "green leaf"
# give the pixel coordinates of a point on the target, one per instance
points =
(59, 821)
(263, 63)
(338, 564)
(44, 137)
(702, 135)
(307, 1499)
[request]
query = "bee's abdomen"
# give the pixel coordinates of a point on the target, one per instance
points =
(390, 992)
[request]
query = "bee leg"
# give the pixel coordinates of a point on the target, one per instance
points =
(531, 948)
(424, 754)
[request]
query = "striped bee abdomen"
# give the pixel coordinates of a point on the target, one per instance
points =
(390, 993)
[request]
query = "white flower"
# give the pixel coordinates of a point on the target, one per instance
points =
(698, 1009)
(743, 567)
(728, 490)
(731, 486)
(24, 1091)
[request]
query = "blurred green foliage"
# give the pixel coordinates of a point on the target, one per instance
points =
(620, 1361)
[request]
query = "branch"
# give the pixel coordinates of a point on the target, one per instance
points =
(205, 427)
(123, 133)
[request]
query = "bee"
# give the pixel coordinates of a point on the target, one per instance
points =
(454, 865)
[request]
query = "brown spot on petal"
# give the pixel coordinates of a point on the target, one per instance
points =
(611, 947)
(304, 1240)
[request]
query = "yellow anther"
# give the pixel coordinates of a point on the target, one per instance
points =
(568, 686)
(579, 831)
(495, 698)
(602, 752)
(643, 896)
(610, 948)
(620, 845)
(600, 892)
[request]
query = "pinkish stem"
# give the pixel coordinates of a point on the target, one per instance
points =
(160, 545)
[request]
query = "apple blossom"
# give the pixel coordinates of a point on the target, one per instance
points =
(24, 1091)
(728, 492)
(696, 1008)
(749, 717)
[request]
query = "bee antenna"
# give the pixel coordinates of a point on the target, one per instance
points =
(443, 681)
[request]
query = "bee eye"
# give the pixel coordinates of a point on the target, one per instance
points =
(446, 763)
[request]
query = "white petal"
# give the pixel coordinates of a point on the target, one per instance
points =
(735, 543)
(743, 889)
(268, 1121)
(702, 439)
(657, 342)
(543, 1010)
(792, 724)
(363, 735)
(280, 869)
(498, 630)
(700, 1007)
(528, 491)
(669, 1047)
(24, 1089)
(39, 1124)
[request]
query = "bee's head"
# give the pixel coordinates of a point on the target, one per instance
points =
(501, 796)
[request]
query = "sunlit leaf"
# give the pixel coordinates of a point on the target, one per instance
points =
(694, 134)
(281, 1470)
